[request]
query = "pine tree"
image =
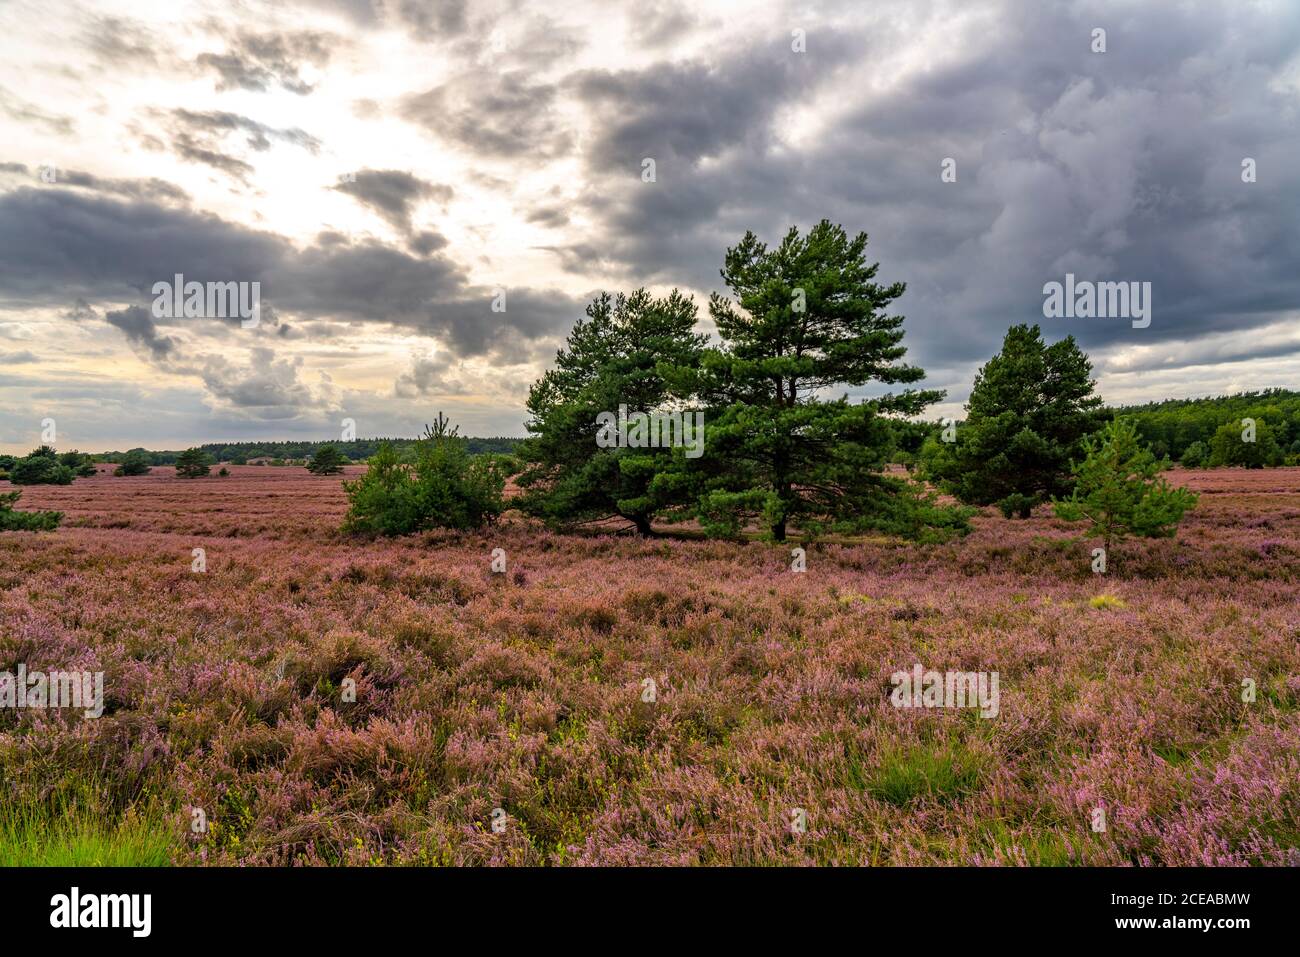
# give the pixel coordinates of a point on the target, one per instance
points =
(807, 317)
(41, 467)
(327, 460)
(1030, 408)
(1119, 491)
(134, 463)
(193, 463)
(619, 355)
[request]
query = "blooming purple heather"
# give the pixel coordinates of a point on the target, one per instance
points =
(227, 690)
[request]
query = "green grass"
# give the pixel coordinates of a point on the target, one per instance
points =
(62, 833)
(945, 772)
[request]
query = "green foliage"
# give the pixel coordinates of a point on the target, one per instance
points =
(1030, 408)
(1195, 456)
(444, 488)
(808, 316)
(41, 467)
(1177, 423)
(82, 464)
(135, 463)
(631, 351)
(1119, 490)
(193, 463)
(15, 521)
(1233, 444)
(327, 460)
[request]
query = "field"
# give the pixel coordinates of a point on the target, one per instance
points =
(523, 691)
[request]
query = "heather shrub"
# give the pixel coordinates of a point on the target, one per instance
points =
(444, 488)
(11, 520)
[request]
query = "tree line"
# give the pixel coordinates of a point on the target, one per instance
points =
(777, 449)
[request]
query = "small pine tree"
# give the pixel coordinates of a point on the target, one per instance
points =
(41, 467)
(328, 460)
(14, 521)
(1118, 489)
(193, 463)
(444, 488)
(135, 463)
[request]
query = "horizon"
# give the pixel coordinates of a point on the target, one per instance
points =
(18, 449)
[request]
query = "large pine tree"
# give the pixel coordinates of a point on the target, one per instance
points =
(617, 356)
(807, 317)
(1029, 411)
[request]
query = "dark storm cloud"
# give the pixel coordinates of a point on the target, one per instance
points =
(1124, 165)
(501, 115)
(137, 325)
(151, 189)
(60, 245)
(257, 62)
(393, 194)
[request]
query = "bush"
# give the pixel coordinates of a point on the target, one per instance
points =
(41, 467)
(13, 521)
(444, 488)
(1195, 456)
(82, 465)
(1249, 442)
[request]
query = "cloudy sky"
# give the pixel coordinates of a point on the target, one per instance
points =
(384, 167)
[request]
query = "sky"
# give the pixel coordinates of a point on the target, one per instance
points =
(392, 173)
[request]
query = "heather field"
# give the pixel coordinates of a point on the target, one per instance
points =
(523, 691)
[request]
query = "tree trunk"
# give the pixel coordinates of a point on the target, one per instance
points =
(642, 523)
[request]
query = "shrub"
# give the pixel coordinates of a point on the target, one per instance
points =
(1195, 456)
(14, 521)
(41, 467)
(444, 488)
(1249, 442)
(82, 465)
